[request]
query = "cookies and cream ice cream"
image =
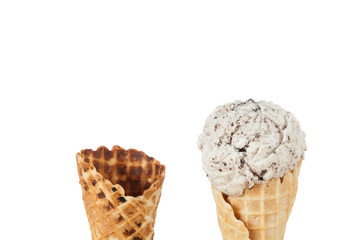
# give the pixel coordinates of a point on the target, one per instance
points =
(244, 143)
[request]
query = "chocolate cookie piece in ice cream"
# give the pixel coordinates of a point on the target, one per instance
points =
(244, 143)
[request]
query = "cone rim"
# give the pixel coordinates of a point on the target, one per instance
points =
(154, 185)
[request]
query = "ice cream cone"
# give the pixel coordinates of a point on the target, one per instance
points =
(121, 192)
(260, 213)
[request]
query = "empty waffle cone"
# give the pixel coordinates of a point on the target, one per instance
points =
(261, 213)
(121, 191)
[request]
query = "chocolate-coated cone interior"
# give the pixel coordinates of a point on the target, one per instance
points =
(132, 169)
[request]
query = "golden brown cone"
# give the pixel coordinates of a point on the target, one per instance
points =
(121, 191)
(261, 213)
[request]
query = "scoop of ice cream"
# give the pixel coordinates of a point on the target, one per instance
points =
(244, 143)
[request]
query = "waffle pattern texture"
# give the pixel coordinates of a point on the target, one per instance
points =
(121, 192)
(261, 213)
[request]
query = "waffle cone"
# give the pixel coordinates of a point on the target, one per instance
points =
(261, 213)
(121, 191)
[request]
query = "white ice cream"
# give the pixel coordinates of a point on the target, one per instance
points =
(250, 142)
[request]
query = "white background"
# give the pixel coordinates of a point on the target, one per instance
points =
(145, 75)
